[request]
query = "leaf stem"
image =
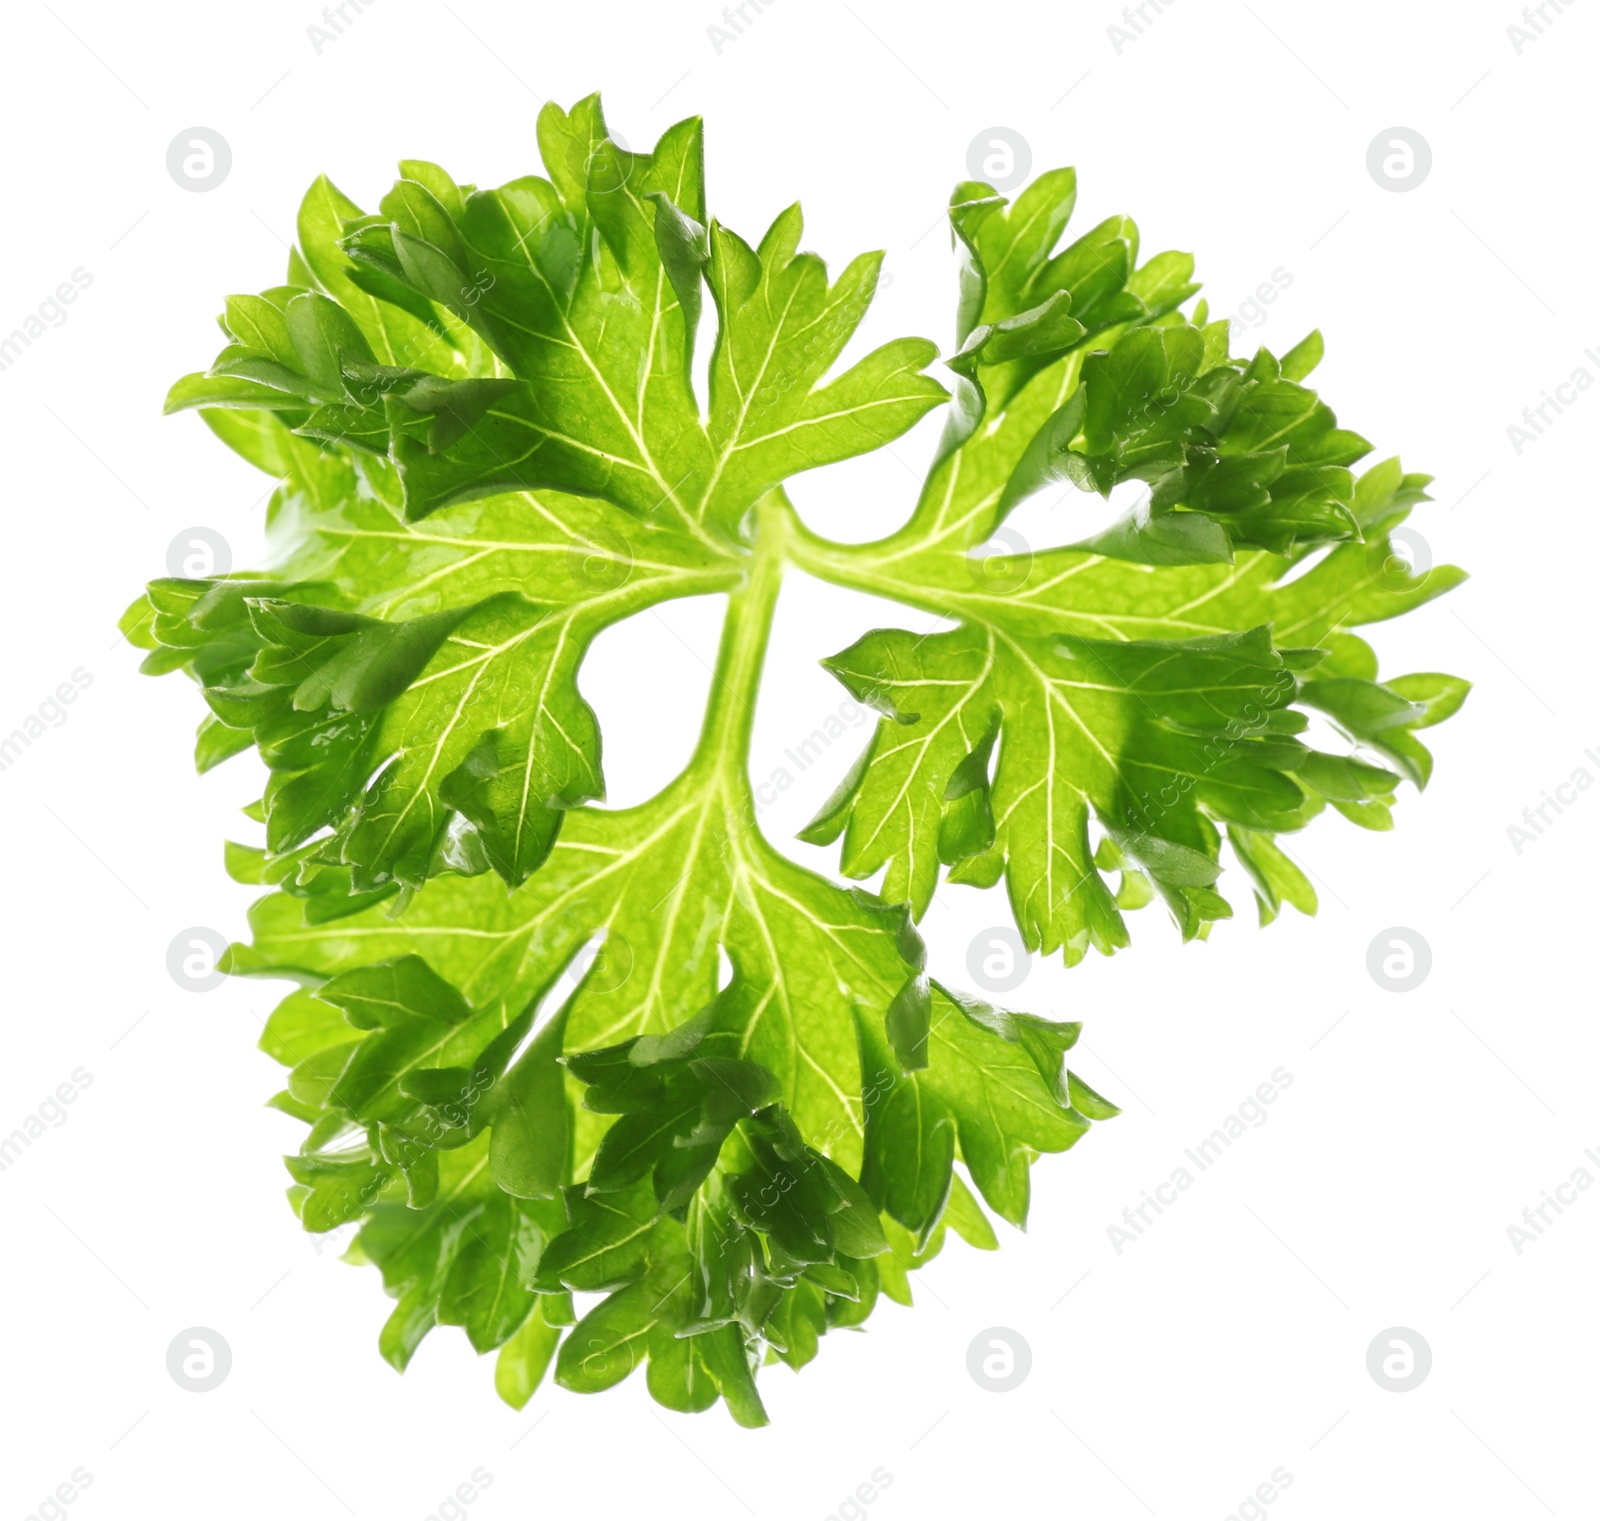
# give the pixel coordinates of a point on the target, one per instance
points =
(724, 744)
(860, 568)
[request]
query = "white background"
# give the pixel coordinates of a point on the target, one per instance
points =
(1230, 1340)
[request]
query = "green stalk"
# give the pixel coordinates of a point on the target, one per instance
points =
(859, 567)
(724, 746)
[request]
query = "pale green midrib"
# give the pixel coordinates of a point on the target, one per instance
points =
(723, 750)
(780, 539)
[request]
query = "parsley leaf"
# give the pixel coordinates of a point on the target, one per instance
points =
(621, 1087)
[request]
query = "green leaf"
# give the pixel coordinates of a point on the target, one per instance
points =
(475, 707)
(750, 1115)
(524, 1358)
(588, 414)
(607, 1243)
(528, 1153)
(486, 1288)
(462, 1259)
(390, 994)
(1152, 738)
(300, 1026)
